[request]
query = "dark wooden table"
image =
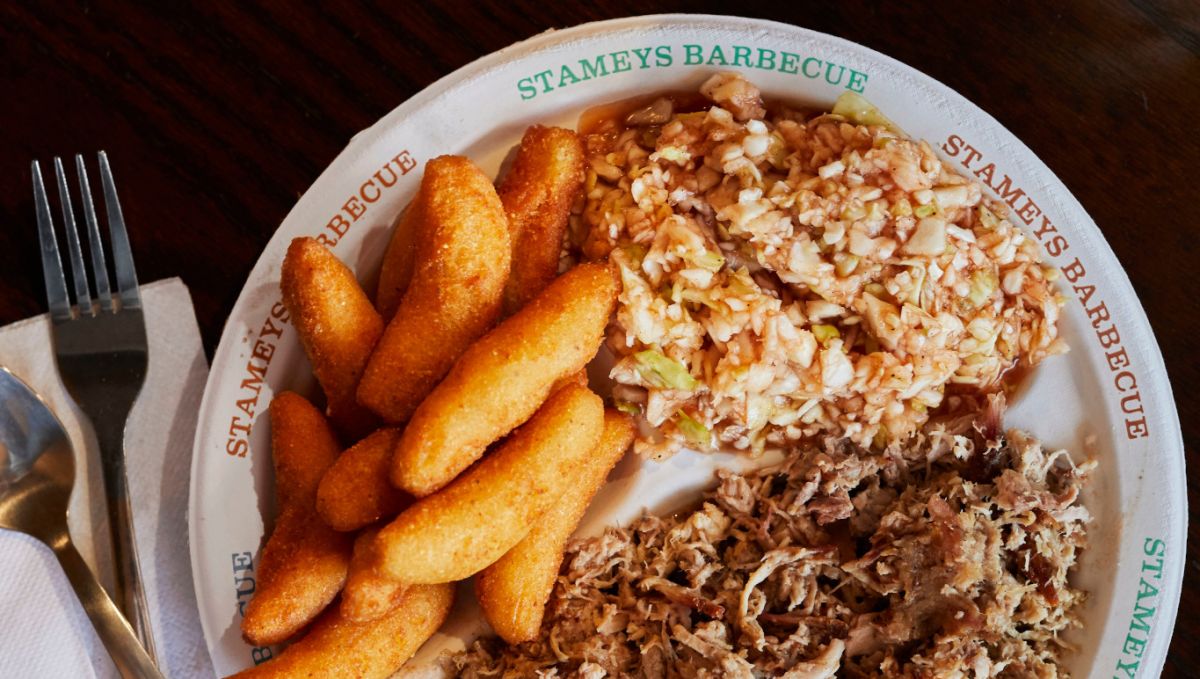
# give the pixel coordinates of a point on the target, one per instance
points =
(219, 115)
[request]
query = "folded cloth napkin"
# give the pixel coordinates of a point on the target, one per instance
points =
(45, 632)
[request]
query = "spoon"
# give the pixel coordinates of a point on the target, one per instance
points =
(37, 473)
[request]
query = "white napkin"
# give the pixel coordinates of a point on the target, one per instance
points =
(45, 632)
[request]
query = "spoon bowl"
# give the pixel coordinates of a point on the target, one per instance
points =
(37, 464)
(37, 474)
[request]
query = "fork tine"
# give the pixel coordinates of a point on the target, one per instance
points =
(83, 296)
(52, 271)
(121, 252)
(95, 245)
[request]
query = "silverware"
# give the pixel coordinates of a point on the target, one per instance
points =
(37, 473)
(100, 347)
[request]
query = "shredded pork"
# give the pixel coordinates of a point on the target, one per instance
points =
(947, 558)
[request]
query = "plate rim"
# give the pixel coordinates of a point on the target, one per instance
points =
(1123, 287)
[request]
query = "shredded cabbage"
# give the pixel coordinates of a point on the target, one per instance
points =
(919, 275)
(660, 371)
(854, 211)
(710, 260)
(694, 431)
(845, 264)
(777, 152)
(876, 211)
(987, 218)
(628, 407)
(629, 278)
(926, 210)
(983, 284)
(855, 108)
(698, 297)
(824, 332)
(635, 252)
(672, 154)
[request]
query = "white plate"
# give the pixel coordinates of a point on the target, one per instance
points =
(1134, 565)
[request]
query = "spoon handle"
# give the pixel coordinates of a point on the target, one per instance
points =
(131, 659)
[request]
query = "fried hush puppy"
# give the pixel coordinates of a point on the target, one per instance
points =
(340, 648)
(337, 326)
(355, 491)
(304, 562)
(472, 522)
(545, 180)
(538, 192)
(513, 591)
(503, 378)
(398, 259)
(367, 594)
(461, 264)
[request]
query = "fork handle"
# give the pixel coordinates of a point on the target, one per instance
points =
(114, 631)
(130, 595)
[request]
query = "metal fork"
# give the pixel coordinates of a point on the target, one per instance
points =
(100, 346)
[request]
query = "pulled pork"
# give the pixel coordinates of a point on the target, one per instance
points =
(946, 559)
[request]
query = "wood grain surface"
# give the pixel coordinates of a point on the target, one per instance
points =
(218, 115)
